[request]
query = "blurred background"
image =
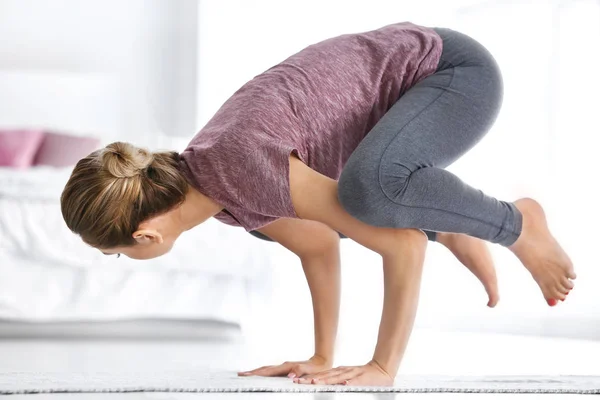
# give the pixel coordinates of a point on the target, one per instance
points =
(75, 75)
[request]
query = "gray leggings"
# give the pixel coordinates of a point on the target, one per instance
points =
(396, 177)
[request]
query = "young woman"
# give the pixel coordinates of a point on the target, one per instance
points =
(349, 137)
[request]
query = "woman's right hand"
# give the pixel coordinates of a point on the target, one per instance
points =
(292, 369)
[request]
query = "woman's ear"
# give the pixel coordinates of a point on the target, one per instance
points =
(147, 236)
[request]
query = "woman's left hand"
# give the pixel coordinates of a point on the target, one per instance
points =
(370, 374)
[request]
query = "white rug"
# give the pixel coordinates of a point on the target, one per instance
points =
(222, 381)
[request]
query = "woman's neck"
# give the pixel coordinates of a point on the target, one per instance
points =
(197, 208)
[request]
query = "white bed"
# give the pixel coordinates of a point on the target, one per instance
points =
(48, 274)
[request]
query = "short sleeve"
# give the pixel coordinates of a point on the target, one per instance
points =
(264, 184)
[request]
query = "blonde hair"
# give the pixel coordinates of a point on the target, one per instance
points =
(113, 190)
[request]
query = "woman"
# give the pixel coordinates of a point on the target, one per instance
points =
(349, 137)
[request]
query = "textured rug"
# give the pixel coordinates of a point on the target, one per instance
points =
(222, 381)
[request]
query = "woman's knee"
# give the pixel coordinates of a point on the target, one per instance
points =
(493, 80)
(491, 76)
(368, 202)
(357, 193)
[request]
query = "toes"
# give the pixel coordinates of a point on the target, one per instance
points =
(557, 292)
(571, 273)
(556, 289)
(493, 300)
(490, 285)
(560, 296)
(556, 295)
(562, 289)
(567, 284)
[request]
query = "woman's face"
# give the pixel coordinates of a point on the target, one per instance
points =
(154, 238)
(141, 251)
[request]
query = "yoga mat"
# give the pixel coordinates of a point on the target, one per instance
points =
(203, 381)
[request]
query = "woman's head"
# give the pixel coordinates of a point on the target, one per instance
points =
(116, 196)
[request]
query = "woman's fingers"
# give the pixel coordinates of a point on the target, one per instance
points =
(343, 378)
(269, 370)
(290, 369)
(366, 375)
(321, 374)
(317, 378)
(298, 370)
(254, 371)
(278, 370)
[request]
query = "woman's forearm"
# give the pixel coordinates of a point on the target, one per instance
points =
(315, 198)
(402, 280)
(323, 276)
(403, 251)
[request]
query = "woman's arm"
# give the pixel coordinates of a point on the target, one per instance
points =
(315, 197)
(402, 281)
(318, 248)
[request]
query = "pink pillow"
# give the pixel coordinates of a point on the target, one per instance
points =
(61, 150)
(19, 147)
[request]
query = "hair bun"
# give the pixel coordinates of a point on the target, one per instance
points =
(124, 160)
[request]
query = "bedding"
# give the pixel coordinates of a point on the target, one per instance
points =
(18, 148)
(63, 150)
(48, 274)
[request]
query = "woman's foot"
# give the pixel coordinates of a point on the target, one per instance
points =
(541, 254)
(475, 255)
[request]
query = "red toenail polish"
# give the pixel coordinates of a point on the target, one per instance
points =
(552, 302)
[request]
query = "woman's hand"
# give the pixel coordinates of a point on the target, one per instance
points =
(292, 369)
(367, 375)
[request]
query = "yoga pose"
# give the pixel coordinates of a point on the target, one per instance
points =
(347, 138)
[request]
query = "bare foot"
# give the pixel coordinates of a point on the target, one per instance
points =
(541, 254)
(475, 255)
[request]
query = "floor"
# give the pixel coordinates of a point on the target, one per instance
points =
(284, 396)
(430, 353)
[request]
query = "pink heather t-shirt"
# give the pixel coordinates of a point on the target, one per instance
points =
(319, 103)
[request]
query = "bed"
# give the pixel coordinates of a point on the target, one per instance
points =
(48, 274)
(52, 284)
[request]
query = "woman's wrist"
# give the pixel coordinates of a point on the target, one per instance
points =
(322, 359)
(386, 370)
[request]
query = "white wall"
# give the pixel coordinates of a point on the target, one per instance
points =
(239, 39)
(524, 155)
(146, 47)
